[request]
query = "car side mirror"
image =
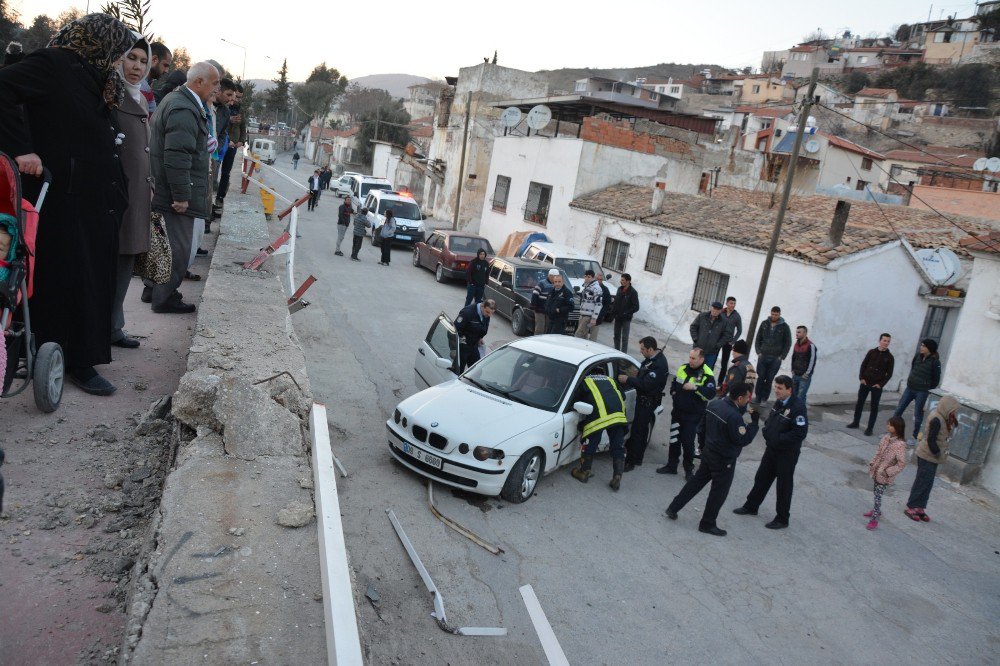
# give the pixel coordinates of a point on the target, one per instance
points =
(443, 363)
(583, 408)
(506, 284)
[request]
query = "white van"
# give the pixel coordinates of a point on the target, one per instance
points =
(572, 261)
(362, 185)
(264, 150)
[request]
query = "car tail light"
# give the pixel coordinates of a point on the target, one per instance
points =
(461, 264)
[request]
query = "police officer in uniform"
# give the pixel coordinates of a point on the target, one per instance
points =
(691, 390)
(741, 370)
(471, 324)
(726, 433)
(648, 384)
(785, 428)
(600, 392)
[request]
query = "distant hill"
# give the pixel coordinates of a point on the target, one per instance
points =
(565, 78)
(395, 84)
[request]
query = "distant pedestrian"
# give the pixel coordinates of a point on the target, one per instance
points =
(931, 452)
(325, 175)
(925, 374)
(475, 277)
(709, 331)
(313, 184)
(343, 221)
(590, 306)
(784, 431)
(804, 355)
(735, 331)
(772, 343)
(387, 232)
(295, 158)
(726, 435)
(691, 391)
(741, 370)
(625, 306)
(361, 223)
(558, 306)
(876, 371)
(888, 461)
(295, 146)
(539, 296)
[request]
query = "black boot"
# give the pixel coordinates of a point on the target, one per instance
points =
(616, 477)
(667, 469)
(583, 473)
(688, 473)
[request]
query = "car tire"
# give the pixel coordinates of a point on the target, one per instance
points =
(416, 257)
(518, 323)
(523, 477)
(439, 274)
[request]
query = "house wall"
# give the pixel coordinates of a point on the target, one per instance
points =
(943, 53)
(973, 203)
(769, 91)
(838, 164)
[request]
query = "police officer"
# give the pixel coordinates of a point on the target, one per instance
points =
(471, 324)
(741, 370)
(785, 428)
(649, 384)
(726, 433)
(600, 392)
(691, 390)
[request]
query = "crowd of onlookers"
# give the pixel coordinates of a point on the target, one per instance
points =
(134, 149)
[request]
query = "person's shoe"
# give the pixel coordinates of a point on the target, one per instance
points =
(853, 425)
(712, 529)
(147, 295)
(616, 479)
(90, 382)
(583, 473)
(174, 307)
(743, 511)
(200, 252)
(872, 524)
(194, 277)
(868, 514)
(912, 514)
(688, 474)
(776, 525)
(666, 469)
(924, 518)
(355, 259)
(868, 432)
(339, 253)
(672, 515)
(126, 342)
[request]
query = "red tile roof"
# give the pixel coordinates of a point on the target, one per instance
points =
(983, 243)
(875, 92)
(844, 144)
(938, 156)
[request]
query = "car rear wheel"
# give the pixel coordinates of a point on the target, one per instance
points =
(518, 323)
(439, 274)
(416, 257)
(523, 478)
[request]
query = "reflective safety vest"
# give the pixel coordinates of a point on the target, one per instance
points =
(609, 405)
(706, 375)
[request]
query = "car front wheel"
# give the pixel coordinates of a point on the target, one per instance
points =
(518, 323)
(439, 274)
(523, 478)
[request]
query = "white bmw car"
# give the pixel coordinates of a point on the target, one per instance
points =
(506, 421)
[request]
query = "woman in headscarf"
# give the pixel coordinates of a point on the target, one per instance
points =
(57, 113)
(133, 237)
(931, 452)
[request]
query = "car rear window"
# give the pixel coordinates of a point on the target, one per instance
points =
(576, 267)
(469, 244)
(406, 210)
(367, 187)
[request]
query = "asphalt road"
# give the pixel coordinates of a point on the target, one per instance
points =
(618, 581)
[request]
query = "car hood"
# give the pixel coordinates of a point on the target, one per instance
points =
(464, 413)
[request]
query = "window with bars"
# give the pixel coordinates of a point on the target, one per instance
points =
(536, 208)
(711, 286)
(500, 193)
(615, 255)
(656, 257)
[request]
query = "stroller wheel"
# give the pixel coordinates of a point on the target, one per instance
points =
(48, 377)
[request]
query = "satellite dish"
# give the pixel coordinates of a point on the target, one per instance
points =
(812, 146)
(540, 115)
(993, 164)
(980, 164)
(510, 117)
(942, 265)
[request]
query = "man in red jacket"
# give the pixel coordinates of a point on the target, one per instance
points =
(876, 371)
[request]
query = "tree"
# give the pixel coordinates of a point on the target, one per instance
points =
(181, 59)
(855, 81)
(132, 13)
(40, 33)
(990, 23)
(772, 64)
(278, 96)
(328, 75)
(971, 85)
(251, 102)
(816, 35)
(385, 123)
(315, 98)
(359, 100)
(902, 33)
(911, 81)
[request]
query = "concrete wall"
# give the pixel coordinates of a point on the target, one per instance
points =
(973, 203)
(838, 165)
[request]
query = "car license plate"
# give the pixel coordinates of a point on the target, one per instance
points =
(420, 455)
(403, 237)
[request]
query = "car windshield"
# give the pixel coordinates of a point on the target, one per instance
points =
(530, 379)
(406, 210)
(367, 187)
(469, 245)
(576, 267)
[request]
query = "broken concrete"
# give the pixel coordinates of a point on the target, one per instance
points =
(253, 424)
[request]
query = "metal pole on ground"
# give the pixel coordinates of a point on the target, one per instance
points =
(751, 329)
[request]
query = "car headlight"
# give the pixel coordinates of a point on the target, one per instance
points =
(486, 453)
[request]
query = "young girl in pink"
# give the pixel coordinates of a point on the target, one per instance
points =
(889, 460)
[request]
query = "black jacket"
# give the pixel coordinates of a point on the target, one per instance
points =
(559, 303)
(925, 373)
(786, 426)
(626, 304)
(178, 154)
(692, 403)
(607, 306)
(741, 370)
(725, 432)
(773, 340)
(470, 325)
(343, 213)
(709, 335)
(877, 367)
(478, 271)
(651, 379)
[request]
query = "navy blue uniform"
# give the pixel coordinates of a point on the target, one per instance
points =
(648, 384)
(558, 306)
(726, 435)
(687, 413)
(786, 427)
(471, 327)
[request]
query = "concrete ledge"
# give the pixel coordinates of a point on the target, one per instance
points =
(222, 581)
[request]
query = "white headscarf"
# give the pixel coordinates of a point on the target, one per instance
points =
(134, 90)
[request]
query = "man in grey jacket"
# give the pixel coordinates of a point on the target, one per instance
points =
(709, 331)
(179, 163)
(774, 339)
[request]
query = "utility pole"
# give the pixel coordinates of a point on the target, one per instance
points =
(461, 164)
(378, 116)
(785, 195)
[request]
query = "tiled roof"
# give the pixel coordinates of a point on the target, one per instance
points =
(938, 156)
(844, 144)
(731, 221)
(983, 243)
(875, 92)
(922, 228)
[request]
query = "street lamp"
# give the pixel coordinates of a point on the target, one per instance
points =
(243, 73)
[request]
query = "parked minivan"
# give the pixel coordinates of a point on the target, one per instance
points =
(264, 149)
(362, 185)
(572, 261)
(410, 228)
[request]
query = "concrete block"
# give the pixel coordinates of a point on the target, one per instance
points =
(253, 424)
(194, 399)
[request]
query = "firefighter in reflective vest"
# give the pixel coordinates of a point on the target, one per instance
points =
(607, 413)
(691, 390)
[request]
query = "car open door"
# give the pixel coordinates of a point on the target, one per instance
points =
(437, 358)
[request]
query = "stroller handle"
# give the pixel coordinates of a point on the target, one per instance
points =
(46, 179)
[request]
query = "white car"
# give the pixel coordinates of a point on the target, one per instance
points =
(507, 420)
(343, 185)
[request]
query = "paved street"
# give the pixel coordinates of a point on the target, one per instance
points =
(610, 564)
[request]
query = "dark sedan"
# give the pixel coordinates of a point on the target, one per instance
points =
(510, 284)
(448, 253)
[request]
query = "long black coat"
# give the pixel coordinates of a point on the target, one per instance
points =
(66, 123)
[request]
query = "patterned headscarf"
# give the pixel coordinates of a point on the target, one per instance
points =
(100, 40)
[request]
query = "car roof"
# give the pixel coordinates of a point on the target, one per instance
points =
(373, 179)
(518, 262)
(560, 250)
(460, 234)
(566, 348)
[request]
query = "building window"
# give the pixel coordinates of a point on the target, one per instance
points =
(862, 59)
(895, 170)
(862, 184)
(866, 163)
(710, 287)
(656, 257)
(777, 133)
(675, 89)
(615, 254)
(500, 193)
(934, 323)
(755, 89)
(581, 86)
(536, 209)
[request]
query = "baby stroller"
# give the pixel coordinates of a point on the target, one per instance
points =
(21, 361)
